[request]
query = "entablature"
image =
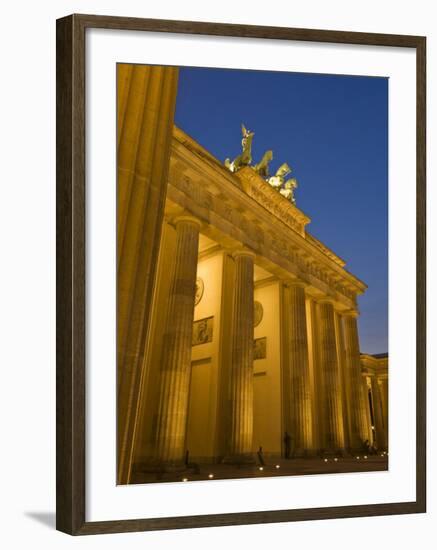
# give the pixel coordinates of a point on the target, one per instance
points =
(374, 365)
(200, 185)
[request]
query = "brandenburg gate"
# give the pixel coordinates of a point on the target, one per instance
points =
(223, 383)
(252, 337)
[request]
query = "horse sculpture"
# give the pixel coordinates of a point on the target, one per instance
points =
(246, 156)
(278, 179)
(262, 168)
(288, 188)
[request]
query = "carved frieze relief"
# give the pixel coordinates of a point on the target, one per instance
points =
(259, 348)
(202, 331)
(265, 195)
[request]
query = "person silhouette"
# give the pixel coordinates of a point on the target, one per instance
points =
(260, 456)
(287, 444)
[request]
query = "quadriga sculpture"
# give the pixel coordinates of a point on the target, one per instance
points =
(246, 156)
(285, 188)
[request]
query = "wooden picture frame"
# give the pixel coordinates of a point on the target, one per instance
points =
(71, 283)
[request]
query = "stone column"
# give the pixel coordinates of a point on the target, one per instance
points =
(365, 394)
(298, 370)
(146, 103)
(317, 396)
(384, 400)
(241, 372)
(344, 378)
(357, 410)
(176, 357)
(225, 355)
(332, 402)
(381, 443)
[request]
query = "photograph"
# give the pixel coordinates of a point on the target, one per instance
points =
(215, 275)
(252, 274)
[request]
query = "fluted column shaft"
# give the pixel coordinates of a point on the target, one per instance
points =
(369, 435)
(334, 430)
(241, 376)
(381, 443)
(384, 400)
(357, 411)
(146, 103)
(299, 375)
(317, 397)
(176, 358)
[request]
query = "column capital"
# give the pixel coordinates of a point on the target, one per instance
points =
(243, 252)
(354, 313)
(326, 300)
(187, 219)
(299, 283)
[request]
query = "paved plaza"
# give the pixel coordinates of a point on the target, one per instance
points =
(271, 468)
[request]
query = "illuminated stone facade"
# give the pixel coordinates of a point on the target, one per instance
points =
(235, 324)
(234, 387)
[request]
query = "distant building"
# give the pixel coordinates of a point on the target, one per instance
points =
(375, 372)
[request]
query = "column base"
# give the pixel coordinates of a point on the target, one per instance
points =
(332, 453)
(246, 459)
(303, 453)
(366, 449)
(161, 467)
(359, 451)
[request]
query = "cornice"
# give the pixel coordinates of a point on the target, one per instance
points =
(379, 365)
(214, 188)
(327, 251)
(257, 188)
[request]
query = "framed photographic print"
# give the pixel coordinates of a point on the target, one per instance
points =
(240, 274)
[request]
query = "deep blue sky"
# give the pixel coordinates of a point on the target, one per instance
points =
(332, 130)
